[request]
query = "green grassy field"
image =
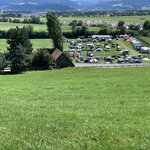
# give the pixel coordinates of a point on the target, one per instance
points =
(37, 43)
(37, 27)
(76, 109)
(134, 19)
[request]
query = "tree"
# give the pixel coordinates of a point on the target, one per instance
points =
(73, 25)
(121, 28)
(35, 20)
(121, 23)
(54, 30)
(2, 61)
(19, 50)
(84, 30)
(42, 58)
(146, 25)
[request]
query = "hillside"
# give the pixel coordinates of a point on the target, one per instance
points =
(76, 109)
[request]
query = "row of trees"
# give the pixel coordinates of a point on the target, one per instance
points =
(20, 52)
(31, 20)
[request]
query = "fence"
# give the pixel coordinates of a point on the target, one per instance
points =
(113, 65)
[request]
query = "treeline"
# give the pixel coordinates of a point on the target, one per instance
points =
(81, 14)
(32, 34)
(103, 13)
(30, 20)
(80, 31)
(20, 55)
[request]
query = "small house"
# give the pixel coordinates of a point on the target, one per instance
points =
(61, 59)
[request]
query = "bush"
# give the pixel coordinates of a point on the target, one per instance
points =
(3, 63)
(42, 58)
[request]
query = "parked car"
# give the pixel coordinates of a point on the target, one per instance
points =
(113, 45)
(99, 50)
(94, 40)
(93, 60)
(90, 54)
(135, 61)
(120, 61)
(107, 48)
(118, 48)
(115, 57)
(87, 60)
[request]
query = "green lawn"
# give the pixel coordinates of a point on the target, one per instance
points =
(134, 19)
(37, 27)
(37, 43)
(76, 109)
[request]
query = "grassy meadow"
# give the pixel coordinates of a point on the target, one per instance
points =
(38, 27)
(37, 43)
(133, 19)
(76, 109)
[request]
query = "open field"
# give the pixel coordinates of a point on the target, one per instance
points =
(76, 109)
(37, 43)
(133, 19)
(38, 27)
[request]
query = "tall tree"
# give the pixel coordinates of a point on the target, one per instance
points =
(73, 25)
(2, 61)
(20, 49)
(121, 23)
(121, 28)
(54, 30)
(146, 25)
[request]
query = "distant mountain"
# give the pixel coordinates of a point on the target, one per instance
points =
(70, 5)
(38, 5)
(117, 4)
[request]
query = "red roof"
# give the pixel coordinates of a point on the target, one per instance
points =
(56, 54)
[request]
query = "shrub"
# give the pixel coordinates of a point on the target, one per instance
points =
(42, 58)
(3, 63)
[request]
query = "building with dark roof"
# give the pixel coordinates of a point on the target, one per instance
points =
(61, 59)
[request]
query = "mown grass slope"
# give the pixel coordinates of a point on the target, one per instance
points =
(76, 109)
